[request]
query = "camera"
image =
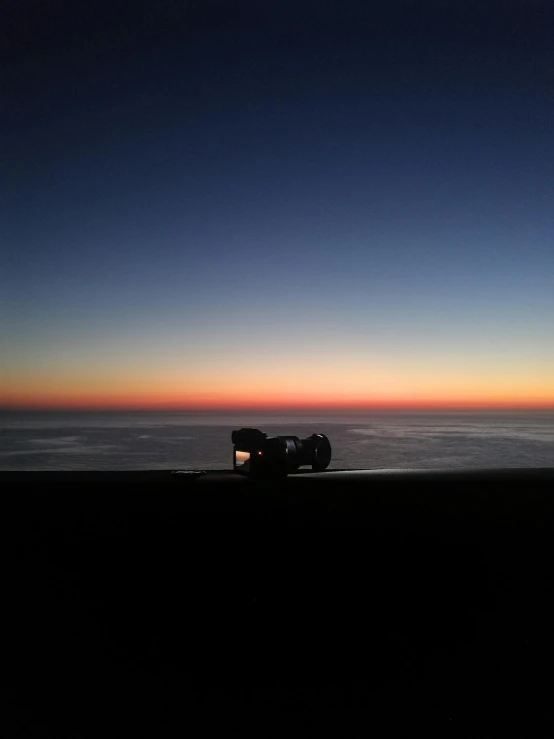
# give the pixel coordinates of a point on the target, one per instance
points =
(256, 453)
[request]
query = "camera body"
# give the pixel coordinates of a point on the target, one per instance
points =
(256, 453)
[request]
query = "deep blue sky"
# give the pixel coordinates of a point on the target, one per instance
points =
(198, 185)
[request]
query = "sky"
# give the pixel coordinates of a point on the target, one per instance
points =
(257, 205)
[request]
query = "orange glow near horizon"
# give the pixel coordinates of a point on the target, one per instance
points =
(311, 384)
(282, 402)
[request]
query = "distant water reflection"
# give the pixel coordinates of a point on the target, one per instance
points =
(127, 441)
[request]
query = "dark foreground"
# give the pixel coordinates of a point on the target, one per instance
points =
(386, 605)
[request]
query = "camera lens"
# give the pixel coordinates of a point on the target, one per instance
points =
(316, 451)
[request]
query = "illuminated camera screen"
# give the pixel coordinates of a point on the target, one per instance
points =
(242, 459)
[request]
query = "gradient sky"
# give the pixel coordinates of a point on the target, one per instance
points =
(234, 204)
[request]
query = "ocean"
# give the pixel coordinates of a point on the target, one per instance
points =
(155, 441)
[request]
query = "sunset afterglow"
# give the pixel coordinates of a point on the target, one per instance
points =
(297, 386)
(349, 220)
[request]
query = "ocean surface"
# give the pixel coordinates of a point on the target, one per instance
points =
(142, 441)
